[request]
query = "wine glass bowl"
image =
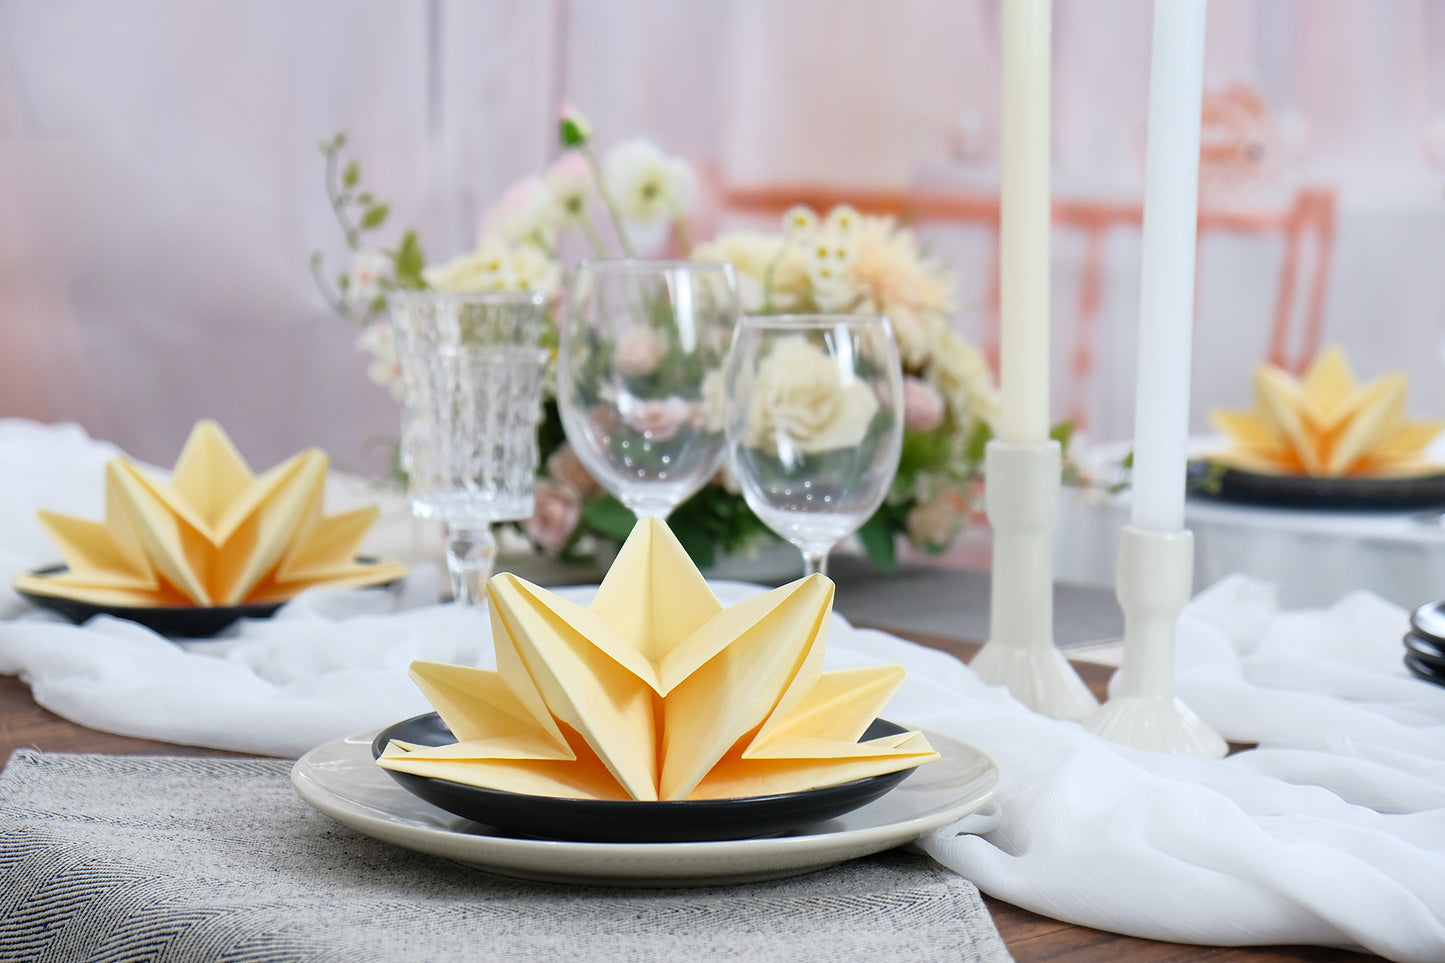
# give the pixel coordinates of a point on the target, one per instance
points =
(472, 373)
(639, 376)
(813, 414)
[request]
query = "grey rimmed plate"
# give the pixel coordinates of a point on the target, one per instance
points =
(341, 780)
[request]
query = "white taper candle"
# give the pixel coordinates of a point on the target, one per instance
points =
(1166, 297)
(1024, 227)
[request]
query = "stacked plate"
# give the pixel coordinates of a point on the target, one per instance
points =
(1425, 643)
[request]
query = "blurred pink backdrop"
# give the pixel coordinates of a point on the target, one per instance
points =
(161, 191)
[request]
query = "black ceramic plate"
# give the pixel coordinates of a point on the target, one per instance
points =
(175, 621)
(1208, 481)
(1420, 670)
(1428, 621)
(596, 820)
(1425, 650)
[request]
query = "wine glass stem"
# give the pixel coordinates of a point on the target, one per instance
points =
(815, 563)
(644, 507)
(471, 549)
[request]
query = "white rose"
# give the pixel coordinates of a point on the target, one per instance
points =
(802, 401)
(711, 401)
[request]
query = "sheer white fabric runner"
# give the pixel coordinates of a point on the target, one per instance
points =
(1332, 832)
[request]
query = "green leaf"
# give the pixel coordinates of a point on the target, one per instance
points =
(700, 548)
(374, 216)
(978, 441)
(609, 517)
(352, 175)
(923, 450)
(876, 537)
(550, 434)
(1063, 433)
(343, 282)
(408, 262)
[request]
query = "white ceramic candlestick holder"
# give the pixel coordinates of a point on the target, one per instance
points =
(1021, 497)
(1154, 579)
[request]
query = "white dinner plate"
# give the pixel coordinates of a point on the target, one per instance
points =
(341, 780)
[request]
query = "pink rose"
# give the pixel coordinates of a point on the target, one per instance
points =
(638, 353)
(659, 420)
(923, 406)
(558, 511)
(567, 468)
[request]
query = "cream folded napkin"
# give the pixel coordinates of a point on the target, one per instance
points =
(656, 691)
(1327, 425)
(212, 534)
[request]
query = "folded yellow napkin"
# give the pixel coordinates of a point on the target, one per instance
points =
(656, 691)
(1327, 425)
(212, 534)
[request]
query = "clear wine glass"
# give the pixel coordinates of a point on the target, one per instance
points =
(472, 372)
(814, 421)
(639, 376)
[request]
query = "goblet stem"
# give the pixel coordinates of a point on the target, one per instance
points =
(644, 507)
(815, 563)
(471, 549)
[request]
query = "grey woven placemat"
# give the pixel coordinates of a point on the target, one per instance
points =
(146, 858)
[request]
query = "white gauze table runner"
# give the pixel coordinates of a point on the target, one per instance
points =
(1331, 832)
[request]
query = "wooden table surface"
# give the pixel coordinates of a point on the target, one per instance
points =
(1030, 937)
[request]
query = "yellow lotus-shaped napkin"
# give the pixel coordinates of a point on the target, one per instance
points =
(212, 534)
(1326, 425)
(656, 691)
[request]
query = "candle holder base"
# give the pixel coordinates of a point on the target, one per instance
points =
(1160, 723)
(1040, 678)
(1022, 499)
(1154, 579)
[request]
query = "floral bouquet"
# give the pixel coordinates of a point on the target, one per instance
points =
(636, 199)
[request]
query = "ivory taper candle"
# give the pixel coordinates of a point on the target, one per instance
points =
(1166, 296)
(1024, 227)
